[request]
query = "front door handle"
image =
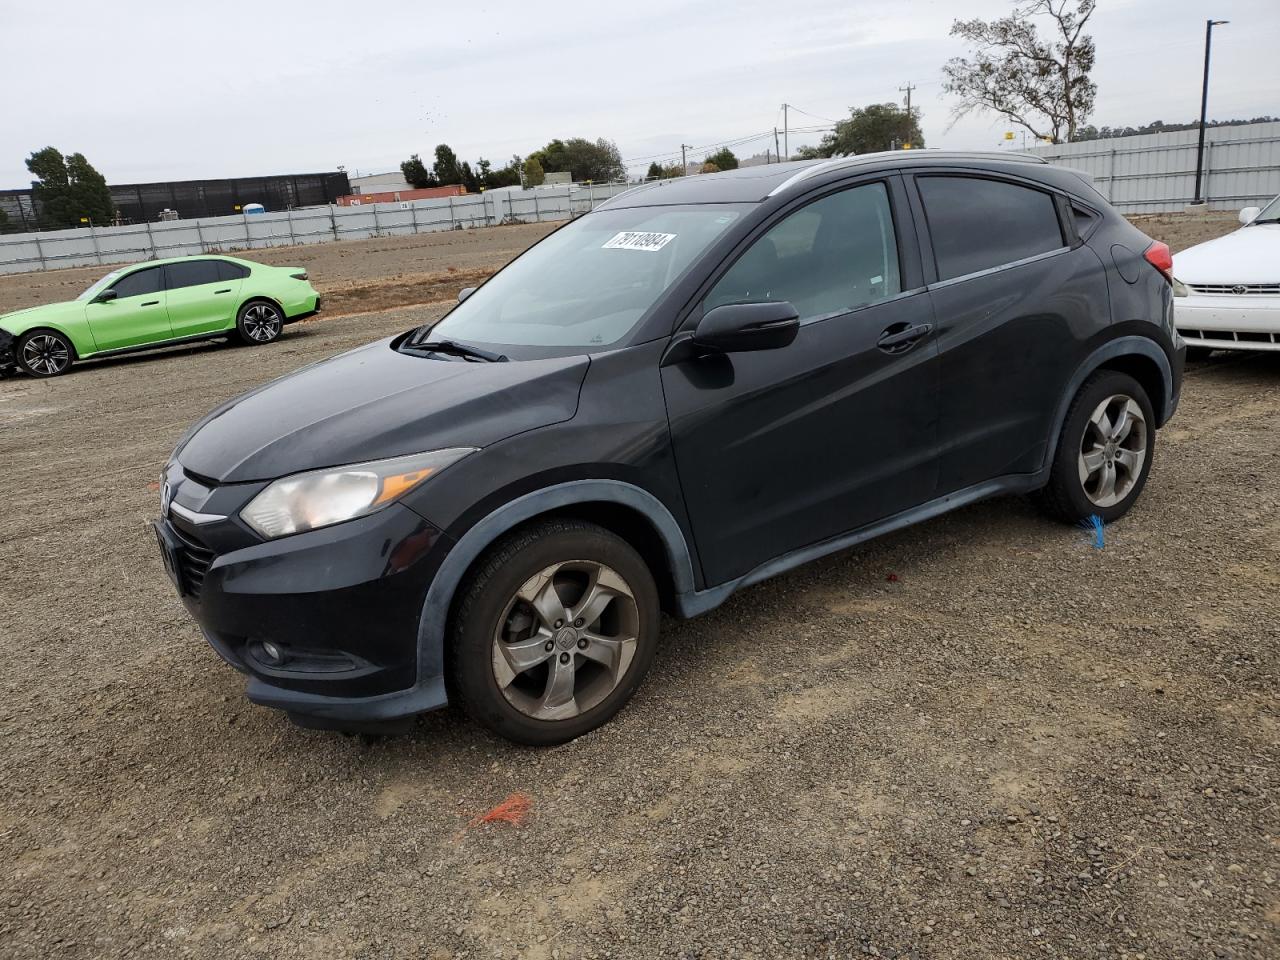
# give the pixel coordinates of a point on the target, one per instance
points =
(902, 337)
(149, 303)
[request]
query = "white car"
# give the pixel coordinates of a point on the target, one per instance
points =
(1227, 291)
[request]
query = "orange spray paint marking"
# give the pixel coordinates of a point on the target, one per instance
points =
(512, 810)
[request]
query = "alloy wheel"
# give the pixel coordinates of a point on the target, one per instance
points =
(1113, 450)
(565, 640)
(262, 322)
(46, 355)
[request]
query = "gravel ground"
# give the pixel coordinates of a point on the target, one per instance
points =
(977, 738)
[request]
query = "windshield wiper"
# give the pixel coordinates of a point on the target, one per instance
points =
(458, 349)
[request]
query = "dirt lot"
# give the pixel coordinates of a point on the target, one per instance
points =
(977, 738)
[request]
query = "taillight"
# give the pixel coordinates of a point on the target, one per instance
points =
(1158, 256)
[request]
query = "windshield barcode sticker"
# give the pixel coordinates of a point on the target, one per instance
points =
(635, 240)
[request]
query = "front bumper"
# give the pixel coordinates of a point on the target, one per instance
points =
(1228, 322)
(8, 356)
(342, 605)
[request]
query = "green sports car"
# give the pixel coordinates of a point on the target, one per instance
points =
(158, 303)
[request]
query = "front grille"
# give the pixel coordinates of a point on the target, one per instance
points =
(1238, 289)
(194, 559)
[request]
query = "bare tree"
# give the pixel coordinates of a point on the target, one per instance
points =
(1041, 85)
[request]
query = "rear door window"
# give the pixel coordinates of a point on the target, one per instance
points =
(976, 224)
(834, 255)
(138, 283)
(192, 273)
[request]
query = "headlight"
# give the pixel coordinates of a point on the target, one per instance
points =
(320, 498)
(1179, 288)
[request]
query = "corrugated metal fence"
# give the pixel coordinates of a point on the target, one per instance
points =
(94, 246)
(1155, 173)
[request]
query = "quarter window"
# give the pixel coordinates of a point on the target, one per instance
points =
(977, 224)
(832, 256)
(230, 271)
(192, 273)
(138, 283)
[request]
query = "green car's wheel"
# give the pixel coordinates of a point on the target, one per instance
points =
(44, 353)
(259, 322)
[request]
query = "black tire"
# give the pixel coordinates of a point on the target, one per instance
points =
(1066, 497)
(488, 603)
(259, 322)
(44, 353)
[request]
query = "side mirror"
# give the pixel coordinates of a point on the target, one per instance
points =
(465, 292)
(739, 327)
(105, 296)
(1249, 214)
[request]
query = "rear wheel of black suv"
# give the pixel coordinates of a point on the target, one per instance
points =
(1104, 451)
(554, 631)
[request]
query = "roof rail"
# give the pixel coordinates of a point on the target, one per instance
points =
(861, 158)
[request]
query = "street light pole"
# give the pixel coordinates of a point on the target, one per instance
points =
(1204, 101)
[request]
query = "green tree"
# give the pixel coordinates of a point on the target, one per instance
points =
(534, 175)
(723, 159)
(655, 171)
(67, 189)
(446, 168)
(416, 173)
(508, 176)
(599, 162)
(470, 182)
(1040, 85)
(878, 126)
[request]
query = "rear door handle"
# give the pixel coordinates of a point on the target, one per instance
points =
(228, 290)
(900, 337)
(148, 303)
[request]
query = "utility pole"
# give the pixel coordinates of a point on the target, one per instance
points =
(786, 129)
(775, 144)
(684, 163)
(1204, 101)
(907, 90)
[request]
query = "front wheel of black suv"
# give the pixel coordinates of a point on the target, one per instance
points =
(1104, 452)
(553, 633)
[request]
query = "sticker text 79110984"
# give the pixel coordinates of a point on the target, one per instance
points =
(639, 240)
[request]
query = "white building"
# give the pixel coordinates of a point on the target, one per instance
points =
(380, 183)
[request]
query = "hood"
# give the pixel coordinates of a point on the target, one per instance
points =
(372, 403)
(1248, 255)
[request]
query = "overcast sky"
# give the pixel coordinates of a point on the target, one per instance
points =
(178, 90)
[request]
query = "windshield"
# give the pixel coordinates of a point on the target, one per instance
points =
(589, 283)
(99, 285)
(1270, 212)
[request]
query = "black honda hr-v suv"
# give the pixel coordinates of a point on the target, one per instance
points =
(700, 384)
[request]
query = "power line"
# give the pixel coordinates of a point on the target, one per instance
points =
(814, 115)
